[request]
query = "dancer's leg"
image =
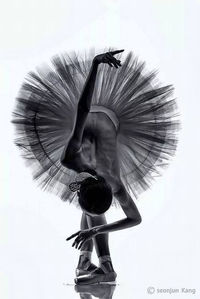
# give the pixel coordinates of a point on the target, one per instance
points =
(88, 246)
(101, 244)
(84, 263)
(105, 273)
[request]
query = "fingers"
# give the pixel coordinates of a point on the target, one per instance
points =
(77, 240)
(81, 244)
(116, 52)
(108, 58)
(112, 60)
(72, 236)
(110, 64)
(82, 237)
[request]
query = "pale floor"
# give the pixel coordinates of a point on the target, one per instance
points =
(126, 291)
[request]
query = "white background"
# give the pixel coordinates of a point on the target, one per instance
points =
(163, 252)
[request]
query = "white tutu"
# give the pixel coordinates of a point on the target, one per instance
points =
(144, 111)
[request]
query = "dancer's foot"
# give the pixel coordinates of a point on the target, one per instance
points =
(85, 266)
(85, 271)
(98, 276)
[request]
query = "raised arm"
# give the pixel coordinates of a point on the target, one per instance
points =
(83, 108)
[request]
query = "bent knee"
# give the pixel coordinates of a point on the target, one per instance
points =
(138, 220)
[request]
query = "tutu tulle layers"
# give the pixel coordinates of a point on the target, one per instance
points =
(46, 109)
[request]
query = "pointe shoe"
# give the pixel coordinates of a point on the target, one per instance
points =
(90, 269)
(97, 277)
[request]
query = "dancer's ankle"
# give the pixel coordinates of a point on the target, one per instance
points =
(84, 259)
(105, 263)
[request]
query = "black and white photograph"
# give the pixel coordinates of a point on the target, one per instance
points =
(99, 149)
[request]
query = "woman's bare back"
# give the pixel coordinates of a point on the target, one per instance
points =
(99, 147)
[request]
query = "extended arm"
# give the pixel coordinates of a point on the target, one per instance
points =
(75, 140)
(132, 218)
(85, 103)
(83, 109)
(128, 206)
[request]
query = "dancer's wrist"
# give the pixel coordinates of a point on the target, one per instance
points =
(95, 231)
(99, 229)
(95, 63)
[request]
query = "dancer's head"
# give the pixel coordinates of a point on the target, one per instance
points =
(94, 195)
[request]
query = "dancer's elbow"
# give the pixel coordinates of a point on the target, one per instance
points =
(71, 164)
(64, 162)
(136, 220)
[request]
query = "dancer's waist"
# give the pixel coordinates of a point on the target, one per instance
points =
(111, 114)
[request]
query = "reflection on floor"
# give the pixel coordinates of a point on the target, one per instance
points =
(101, 291)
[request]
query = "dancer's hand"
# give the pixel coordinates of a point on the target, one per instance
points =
(82, 236)
(108, 58)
